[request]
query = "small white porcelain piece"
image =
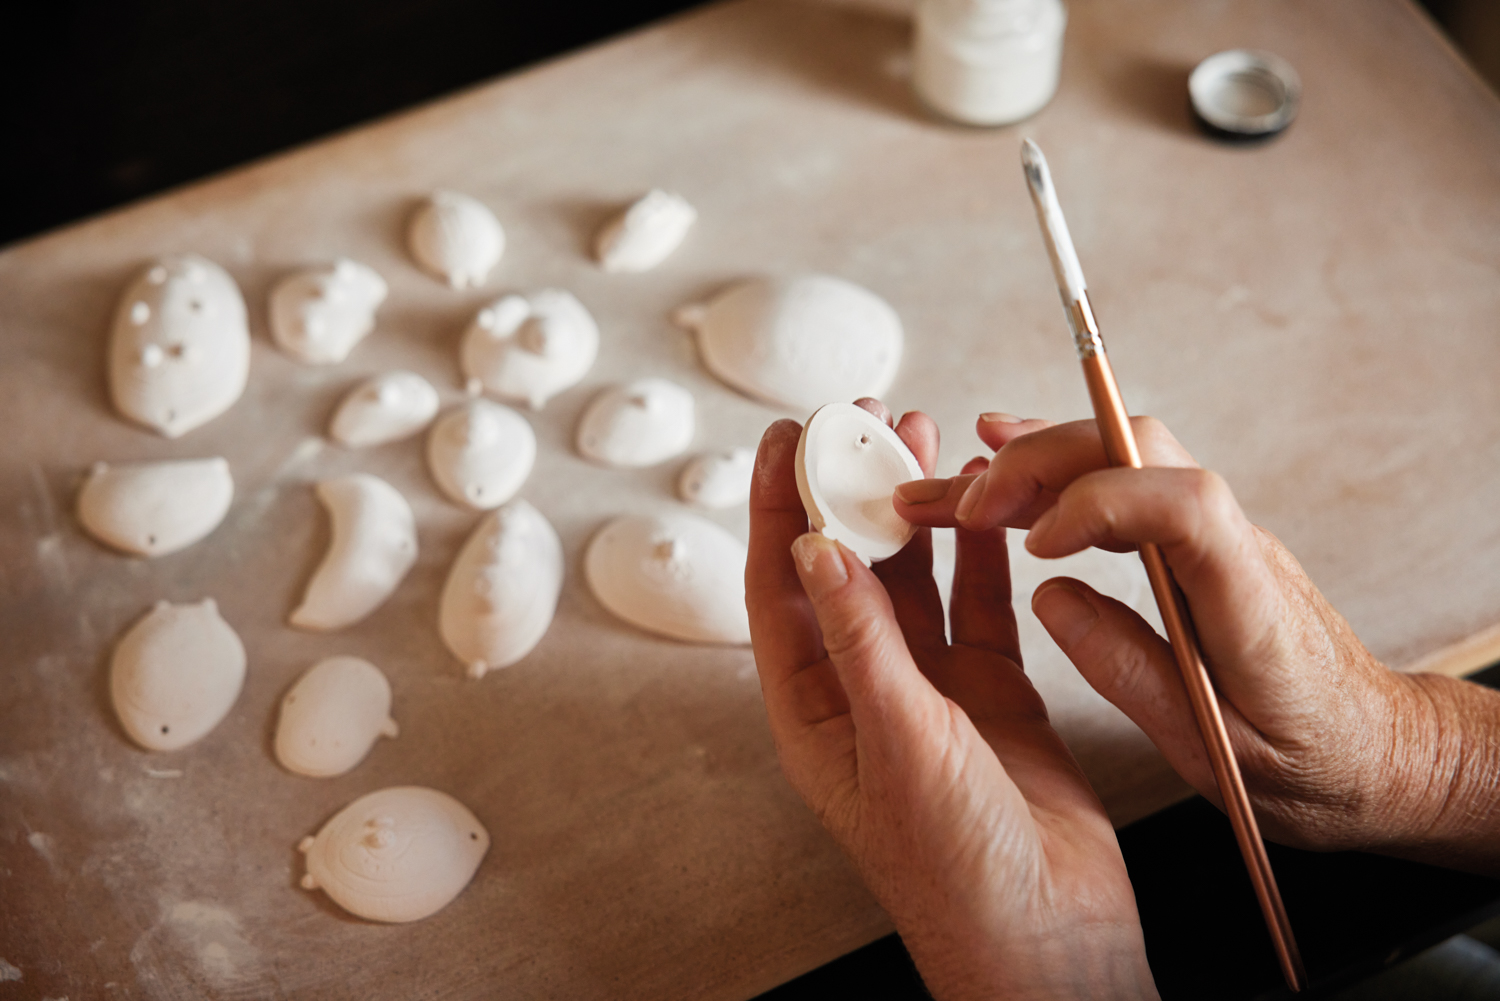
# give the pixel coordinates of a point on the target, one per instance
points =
(456, 238)
(849, 463)
(530, 348)
(637, 423)
(502, 591)
(155, 508)
(396, 855)
(480, 453)
(332, 716)
(179, 352)
(799, 342)
(676, 575)
(388, 407)
(642, 236)
(318, 315)
(175, 674)
(374, 545)
(718, 479)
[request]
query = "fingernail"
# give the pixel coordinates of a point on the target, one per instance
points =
(971, 496)
(923, 491)
(995, 417)
(819, 563)
(1065, 612)
(1039, 528)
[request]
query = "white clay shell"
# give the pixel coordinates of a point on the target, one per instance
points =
(399, 854)
(676, 575)
(374, 544)
(175, 674)
(530, 348)
(318, 315)
(179, 352)
(638, 423)
(849, 463)
(799, 342)
(718, 479)
(332, 716)
(480, 453)
(502, 591)
(642, 236)
(155, 508)
(389, 407)
(457, 239)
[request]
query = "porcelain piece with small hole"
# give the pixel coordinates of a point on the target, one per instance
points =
(637, 423)
(480, 453)
(155, 508)
(318, 315)
(718, 479)
(530, 348)
(456, 238)
(643, 236)
(374, 544)
(175, 674)
(332, 716)
(386, 408)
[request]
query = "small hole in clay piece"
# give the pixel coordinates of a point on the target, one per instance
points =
(196, 305)
(150, 540)
(864, 439)
(473, 836)
(177, 350)
(164, 728)
(476, 492)
(171, 416)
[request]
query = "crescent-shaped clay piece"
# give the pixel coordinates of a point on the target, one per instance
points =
(642, 236)
(386, 408)
(399, 854)
(530, 348)
(179, 351)
(480, 453)
(175, 674)
(503, 588)
(849, 464)
(318, 315)
(637, 423)
(676, 575)
(457, 239)
(155, 508)
(332, 716)
(799, 342)
(718, 479)
(374, 545)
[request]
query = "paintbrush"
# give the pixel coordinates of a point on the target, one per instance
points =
(1120, 448)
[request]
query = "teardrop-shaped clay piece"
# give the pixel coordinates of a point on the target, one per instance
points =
(457, 239)
(480, 453)
(175, 674)
(677, 575)
(530, 348)
(155, 508)
(387, 408)
(799, 342)
(374, 544)
(503, 588)
(318, 315)
(642, 236)
(637, 423)
(718, 479)
(849, 464)
(399, 854)
(332, 716)
(179, 353)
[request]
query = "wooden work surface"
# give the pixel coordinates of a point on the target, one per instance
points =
(1315, 317)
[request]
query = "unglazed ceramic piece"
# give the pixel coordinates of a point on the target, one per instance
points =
(318, 315)
(799, 342)
(388, 407)
(503, 588)
(676, 575)
(457, 239)
(530, 348)
(480, 453)
(399, 854)
(179, 352)
(175, 674)
(332, 716)
(155, 508)
(374, 545)
(718, 479)
(849, 463)
(637, 423)
(642, 236)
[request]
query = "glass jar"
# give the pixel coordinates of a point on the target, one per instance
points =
(988, 62)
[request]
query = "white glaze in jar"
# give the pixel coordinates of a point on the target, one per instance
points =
(988, 62)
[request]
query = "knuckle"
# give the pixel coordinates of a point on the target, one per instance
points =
(851, 632)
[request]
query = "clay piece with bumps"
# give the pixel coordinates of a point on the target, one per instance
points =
(155, 508)
(718, 479)
(179, 352)
(400, 854)
(386, 408)
(374, 544)
(175, 674)
(318, 315)
(480, 453)
(332, 716)
(530, 348)
(456, 239)
(638, 423)
(645, 234)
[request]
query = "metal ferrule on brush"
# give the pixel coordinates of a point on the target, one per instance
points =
(1085, 329)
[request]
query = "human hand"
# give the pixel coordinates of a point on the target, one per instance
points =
(1336, 750)
(933, 764)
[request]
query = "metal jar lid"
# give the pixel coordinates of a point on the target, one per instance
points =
(1244, 94)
